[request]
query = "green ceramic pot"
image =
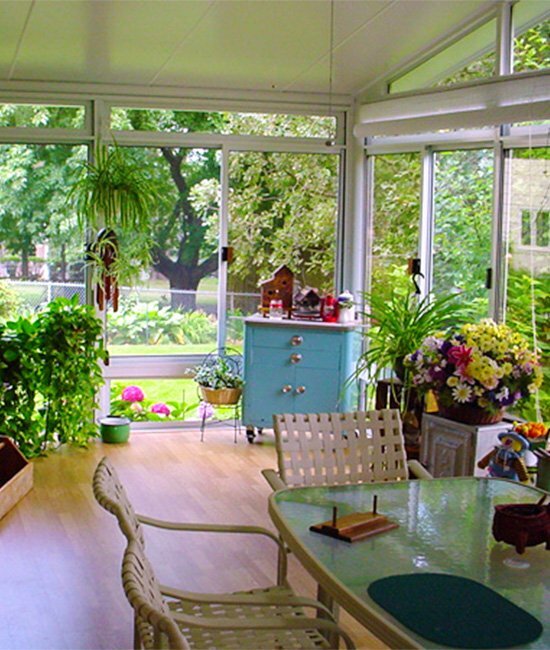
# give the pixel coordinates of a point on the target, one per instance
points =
(114, 429)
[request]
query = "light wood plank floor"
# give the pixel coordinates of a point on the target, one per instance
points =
(60, 553)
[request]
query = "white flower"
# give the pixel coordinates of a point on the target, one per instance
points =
(502, 394)
(462, 393)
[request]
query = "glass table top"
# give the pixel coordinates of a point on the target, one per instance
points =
(444, 527)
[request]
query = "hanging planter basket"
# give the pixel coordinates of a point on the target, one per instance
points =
(220, 396)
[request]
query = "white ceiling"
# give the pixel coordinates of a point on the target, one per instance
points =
(252, 45)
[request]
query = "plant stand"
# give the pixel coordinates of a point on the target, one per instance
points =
(16, 475)
(236, 416)
(450, 448)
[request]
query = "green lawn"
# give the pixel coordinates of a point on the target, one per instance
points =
(168, 348)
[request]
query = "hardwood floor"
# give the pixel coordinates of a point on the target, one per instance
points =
(60, 553)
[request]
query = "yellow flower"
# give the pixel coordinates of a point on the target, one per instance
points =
(507, 368)
(452, 381)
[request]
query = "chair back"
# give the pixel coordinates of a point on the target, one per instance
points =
(111, 495)
(340, 448)
(155, 625)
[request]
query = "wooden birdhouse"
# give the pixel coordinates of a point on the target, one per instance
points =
(280, 285)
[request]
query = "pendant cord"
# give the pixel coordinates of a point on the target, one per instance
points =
(332, 137)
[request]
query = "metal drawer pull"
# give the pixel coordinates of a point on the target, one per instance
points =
(286, 389)
(295, 358)
(297, 340)
(300, 390)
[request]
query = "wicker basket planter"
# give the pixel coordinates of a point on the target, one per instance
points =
(220, 396)
(15, 475)
(470, 414)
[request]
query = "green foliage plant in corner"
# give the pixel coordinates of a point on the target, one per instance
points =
(70, 347)
(116, 193)
(49, 376)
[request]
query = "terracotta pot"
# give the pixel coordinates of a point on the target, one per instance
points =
(220, 396)
(470, 414)
(522, 524)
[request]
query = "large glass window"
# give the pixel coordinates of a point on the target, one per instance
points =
(471, 57)
(42, 116)
(173, 309)
(531, 46)
(527, 257)
(463, 191)
(283, 210)
(396, 219)
(41, 246)
(263, 124)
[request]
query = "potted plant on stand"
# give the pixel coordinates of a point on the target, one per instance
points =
(219, 380)
(398, 325)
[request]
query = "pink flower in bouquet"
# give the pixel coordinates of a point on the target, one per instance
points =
(161, 408)
(205, 411)
(133, 394)
(460, 355)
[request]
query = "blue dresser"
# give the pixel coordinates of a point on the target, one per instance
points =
(296, 367)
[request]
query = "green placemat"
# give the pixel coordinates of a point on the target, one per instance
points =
(454, 611)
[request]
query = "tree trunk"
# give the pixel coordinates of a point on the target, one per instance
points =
(25, 264)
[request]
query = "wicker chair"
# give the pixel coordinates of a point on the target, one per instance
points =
(186, 623)
(206, 620)
(340, 448)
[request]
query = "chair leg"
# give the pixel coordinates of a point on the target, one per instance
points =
(326, 599)
(137, 639)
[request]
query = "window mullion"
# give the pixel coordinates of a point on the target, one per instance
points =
(427, 221)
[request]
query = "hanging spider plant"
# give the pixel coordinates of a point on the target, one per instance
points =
(115, 193)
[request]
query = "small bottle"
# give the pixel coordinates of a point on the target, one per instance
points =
(276, 307)
(346, 307)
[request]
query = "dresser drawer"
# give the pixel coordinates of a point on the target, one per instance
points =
(325, 358)
(294, 338)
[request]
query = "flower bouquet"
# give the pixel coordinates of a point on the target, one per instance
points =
(476, 372)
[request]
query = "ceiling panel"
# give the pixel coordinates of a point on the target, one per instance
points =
(112, 42)
(387, 39)
(261, 45)
(12, 21)
(224, 44)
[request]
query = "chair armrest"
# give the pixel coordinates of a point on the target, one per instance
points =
(224, 528)
(267, 623)
(273, 478)
(417, 470)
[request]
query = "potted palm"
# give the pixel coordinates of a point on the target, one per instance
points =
(219, 380)
(115, 197)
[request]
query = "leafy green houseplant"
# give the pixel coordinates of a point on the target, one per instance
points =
(399, 324)
(49, 376)
(116, 193)
(219, 380)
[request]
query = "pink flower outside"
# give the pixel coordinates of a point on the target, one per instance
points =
(205, 411)
(161, 408)
(133, 394)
